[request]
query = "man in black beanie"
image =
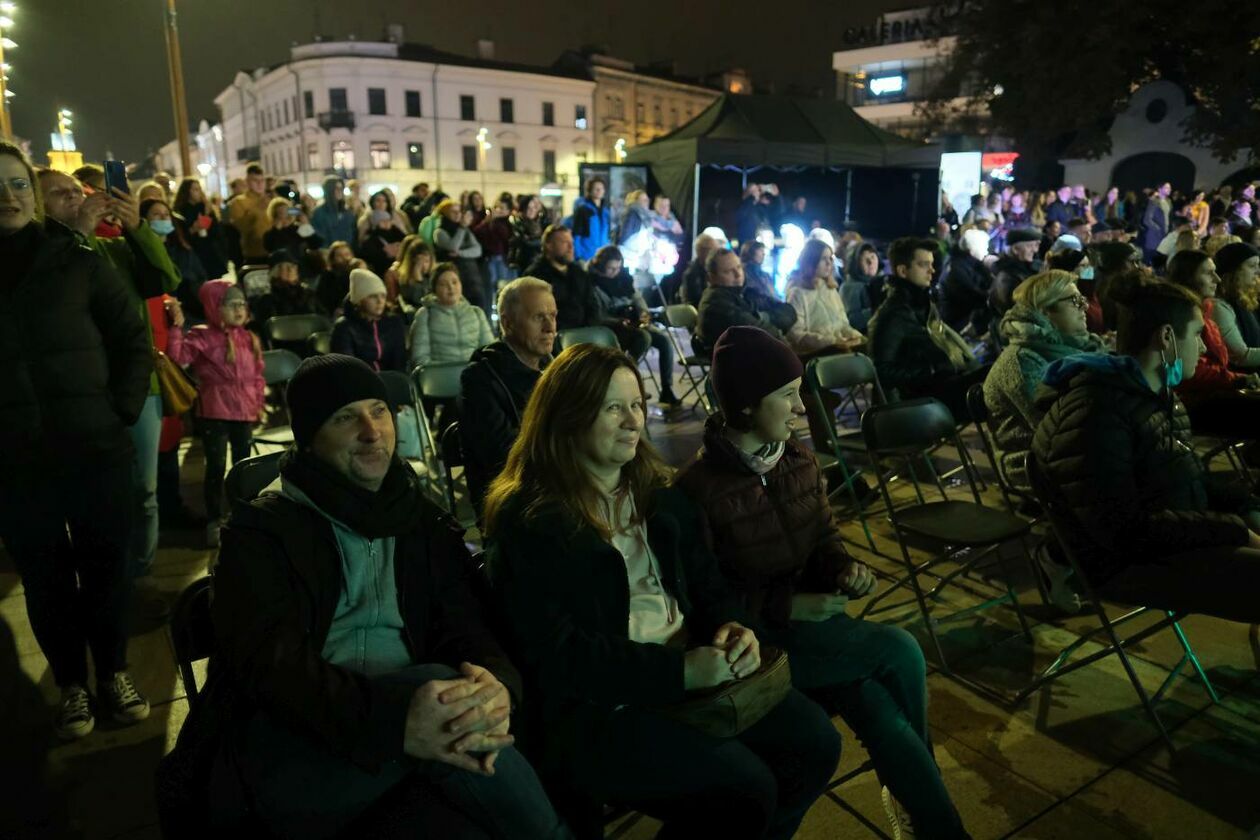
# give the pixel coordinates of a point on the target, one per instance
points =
(356, 680)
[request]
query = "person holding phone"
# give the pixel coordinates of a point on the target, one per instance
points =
(290, 230)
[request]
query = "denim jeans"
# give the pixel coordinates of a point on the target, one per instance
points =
(300, 790)
(145, 435)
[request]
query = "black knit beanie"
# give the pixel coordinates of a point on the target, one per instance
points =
(749, 363)
(322, 385)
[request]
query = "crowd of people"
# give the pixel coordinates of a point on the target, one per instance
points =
(371, 676)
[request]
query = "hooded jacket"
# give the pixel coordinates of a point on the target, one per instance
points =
(332, 220)
(227, 388)
(1032, 344)
(1120, 457)
(773, 534)
(381, 343)
(447, 333)
(591, 226)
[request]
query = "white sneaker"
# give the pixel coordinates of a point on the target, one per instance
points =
(898, 819)
(119, 695)
(75, 719)
(212, 534)
(1059, 583)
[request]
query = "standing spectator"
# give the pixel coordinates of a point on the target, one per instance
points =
(664, 222)
(199, 220)
(333, 220)
(192, 273)
(382, 202)
(475, 203)
(635, 221)
(965, 289)
(494, 232)
(1198, 212)
(592, 220)
(570, 284)
(415, 275)
(1111, 207)
(1155, 220)
(226, 360)
(365, 330)
(334, 283)
(863, 287)
(381, 242)
(413, 203)
(66, 509)
(290, 230)
(628, 311)
(453, 241)
(500, 377)
(447, 328)
(1081, 206)
(527, 230)
(1060, 210)
(247, 215)
(978, 211)
(799, 215)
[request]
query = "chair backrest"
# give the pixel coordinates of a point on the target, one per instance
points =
(399, 391)
(250, 476)
(321, 342)
(295, 327)
(439, 380)
(682, 315)
(602, 336)
(452, 448)
(911, 431)
(279, 366)
(844, 370)
(192, 632)
(979, 411)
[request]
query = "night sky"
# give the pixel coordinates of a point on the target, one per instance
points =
(107, 61)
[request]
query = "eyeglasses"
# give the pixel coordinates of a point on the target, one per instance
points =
(17, 186)
(1079, 301)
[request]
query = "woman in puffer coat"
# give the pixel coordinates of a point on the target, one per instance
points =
(366, 331)
(447, 328)
(765, 514)
(1047, 323)
(226, 360)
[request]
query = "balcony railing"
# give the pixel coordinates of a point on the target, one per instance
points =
(336, 119)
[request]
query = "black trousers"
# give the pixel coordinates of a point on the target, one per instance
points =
(216, 435)
(67, 531)
(1221, 581)
(1226, 414)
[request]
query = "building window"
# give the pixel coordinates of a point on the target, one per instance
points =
(343, 156)
(467, 108)
(656, 115)
(376, 101)
(415, 155)
(549, 164)
(507, 112)
(337, 99)
(286, 112)
(509, 159)
(638, 113)
(312, 156)
(378, 151)
(470, 158)
(618, 108)
(266, 120)
(673, 117)
(549, 113)
(308, 102)
(413, 103)
(579, 117)
(276, 121)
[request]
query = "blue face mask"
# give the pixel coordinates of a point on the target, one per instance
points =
(1087, 273)
(1173, 374)
(162, 227)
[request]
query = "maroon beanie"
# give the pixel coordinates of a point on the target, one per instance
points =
(749, 363)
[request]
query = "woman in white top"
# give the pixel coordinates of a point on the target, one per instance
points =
(821, 320)
(615, 609)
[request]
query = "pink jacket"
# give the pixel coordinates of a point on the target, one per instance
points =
(227, 390)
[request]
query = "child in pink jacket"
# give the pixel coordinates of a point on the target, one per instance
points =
(226, 360)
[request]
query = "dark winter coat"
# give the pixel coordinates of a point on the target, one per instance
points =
(573, 290)
(381, 343)
(525, 244)
(494, 235)
(773, 534)
(964, 292)
(904, 354)
(210, 249)
(75, 357)
(1120, 458)
(729, 306)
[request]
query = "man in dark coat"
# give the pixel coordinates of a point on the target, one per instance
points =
(1114, 462)
(570, 284)
(727, 302)
(500, 377)
(356, 682)
(1011, 269)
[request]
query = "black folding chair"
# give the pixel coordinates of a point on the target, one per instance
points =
(963, 532)
(437, 381)
(1062, 521)
(278, 368)
(250, 476)
(684, 316)
(452, 449)
(192, 633)
(288, 330)
(320, 342)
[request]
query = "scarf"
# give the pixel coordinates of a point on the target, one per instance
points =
(1025, 327)
(764, 459)
(392, 511)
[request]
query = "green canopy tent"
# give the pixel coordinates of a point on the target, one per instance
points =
(752, 131)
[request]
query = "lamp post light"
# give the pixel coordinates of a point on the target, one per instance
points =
(176, 72)
(7, 10)
(483, 146)
(619, 149)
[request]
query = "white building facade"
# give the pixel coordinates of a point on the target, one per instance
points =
(392, 115)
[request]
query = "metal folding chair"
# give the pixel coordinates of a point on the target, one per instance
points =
(1062, 521)
(437, 381)
(320, 342)
(278, 368)
(249, 477)
(602, 336)
(685, 317)
(192, 633)
(294, 329)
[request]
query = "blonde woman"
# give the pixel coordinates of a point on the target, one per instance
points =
(1236, 298)
(821, 320)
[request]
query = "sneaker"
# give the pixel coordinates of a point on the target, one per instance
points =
(212, 534)
(75, 719)
(119, 695)
(898, 819)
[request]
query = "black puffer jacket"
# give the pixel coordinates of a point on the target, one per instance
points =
(964, 292)
(75, 358)
(722, 307)
(903, 352)
(381, 343)
(1121, 462)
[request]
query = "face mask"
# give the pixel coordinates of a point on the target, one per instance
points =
(305, 231)
(1087, 273)
(1173, 373)
(162, 227)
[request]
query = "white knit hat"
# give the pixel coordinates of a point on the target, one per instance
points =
(364, 283)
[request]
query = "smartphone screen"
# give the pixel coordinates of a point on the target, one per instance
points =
(116, 176)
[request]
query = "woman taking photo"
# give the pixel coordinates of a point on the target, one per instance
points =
(191, 272)
(615, 611)
(201, 227)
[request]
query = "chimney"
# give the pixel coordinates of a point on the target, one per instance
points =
(485, 49)
(394, 33)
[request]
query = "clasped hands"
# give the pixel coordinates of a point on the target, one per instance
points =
(462, 721)
(856, 581)
(734, 654)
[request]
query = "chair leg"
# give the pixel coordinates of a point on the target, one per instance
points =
(1194, 660)
(1137, 684)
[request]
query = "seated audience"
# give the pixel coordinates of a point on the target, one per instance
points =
(727, 303)
(500, 377)
(290, 230)
(768, 520)
(1234, 312)
(965, 290)
(1147, 523)
(334, 282)
(1111, 260)
(287, 297)
(915, 352)
(863, 288)
(695, 275)
(366, 330)
(753, 255)
(1047, 323)
(415, 276)
(447, 328)
(570, 284)
(821, 323)
(1012, 268)
(615, 610)
(381, 232)
(357, 685)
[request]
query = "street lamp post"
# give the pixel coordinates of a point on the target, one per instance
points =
(176, 72)
(6, 22)
(483, 146)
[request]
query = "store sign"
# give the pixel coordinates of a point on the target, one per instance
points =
(999, 165)
(886, 85)
(911, 25)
